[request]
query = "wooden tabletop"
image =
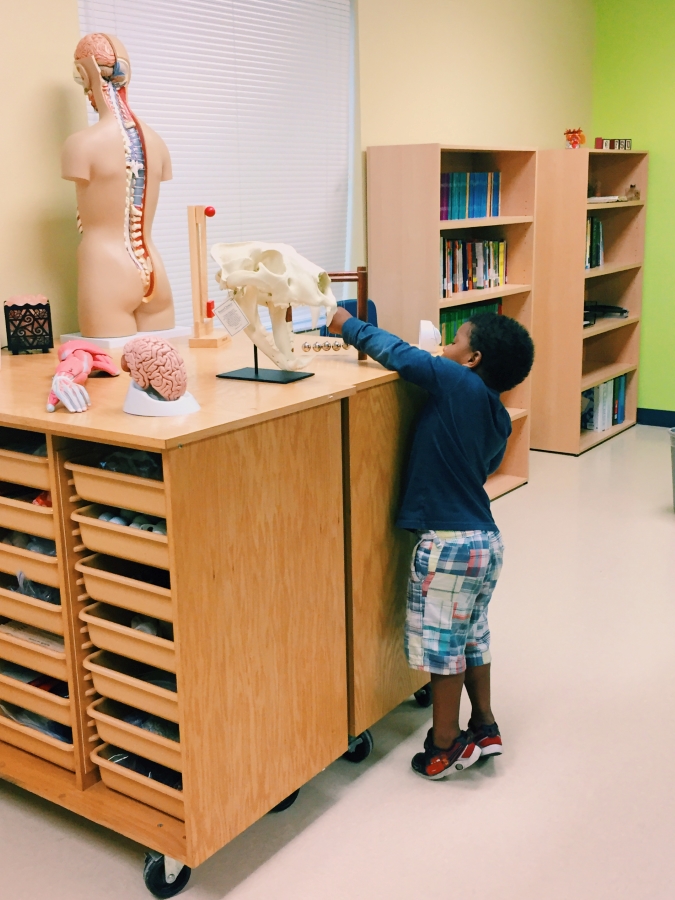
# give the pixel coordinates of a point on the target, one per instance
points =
(227, 405)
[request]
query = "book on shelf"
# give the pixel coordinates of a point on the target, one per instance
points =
(452, 319)
(595, 245)
(470, 195)
(613, 199)
(604, 405)
(472, 265)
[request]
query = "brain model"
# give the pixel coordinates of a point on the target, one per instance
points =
(154, 363)
(98, 46)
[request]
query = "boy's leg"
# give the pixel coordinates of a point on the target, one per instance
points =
(446, 693)
(477, 683)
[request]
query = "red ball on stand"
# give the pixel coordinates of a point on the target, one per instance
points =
(209, 211)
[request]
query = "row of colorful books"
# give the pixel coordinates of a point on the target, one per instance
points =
(472, 265)
(470, 195)
(453, 318)
(604, 405)
(595, 245)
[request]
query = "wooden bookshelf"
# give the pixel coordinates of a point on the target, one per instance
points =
(404, 231)
(569, 357)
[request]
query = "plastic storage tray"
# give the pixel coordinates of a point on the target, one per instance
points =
(114, 730)
(126, 584)
(153, 793)
(36, 700)
(36, 566)
(32, 656)
(22, 515)
(40, 744)
(114, 489)
(119, 679)
(109, 630)
(121, 540)
(22, 468)
(31, 611)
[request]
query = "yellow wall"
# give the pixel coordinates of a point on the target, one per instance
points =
(41, 106)
(487, 72)
(508, 73)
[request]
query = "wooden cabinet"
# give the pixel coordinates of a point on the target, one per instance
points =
(280, 584)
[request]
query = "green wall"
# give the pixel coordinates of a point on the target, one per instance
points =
(634, 96)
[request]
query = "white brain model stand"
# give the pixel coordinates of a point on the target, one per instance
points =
(276, 276)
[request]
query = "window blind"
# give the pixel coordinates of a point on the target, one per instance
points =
(252, 98)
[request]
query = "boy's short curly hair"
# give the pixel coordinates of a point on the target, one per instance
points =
(506, 347)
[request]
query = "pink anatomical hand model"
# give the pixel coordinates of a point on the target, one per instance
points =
(77, 360)
(117, 166)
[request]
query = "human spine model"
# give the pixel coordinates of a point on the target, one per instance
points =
(122, 285)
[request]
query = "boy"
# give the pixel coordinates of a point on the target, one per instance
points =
(459, 440)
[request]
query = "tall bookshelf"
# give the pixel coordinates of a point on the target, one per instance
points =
(404, 236)
(571, 358)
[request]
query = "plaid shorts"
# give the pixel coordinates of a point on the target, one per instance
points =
(452, 577)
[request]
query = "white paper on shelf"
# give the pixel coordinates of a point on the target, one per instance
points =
(44, 639)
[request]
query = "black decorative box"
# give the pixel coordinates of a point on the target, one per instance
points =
(28, 321)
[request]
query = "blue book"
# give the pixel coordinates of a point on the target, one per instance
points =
(622, 400)
(482, 209)
(463, 190)
(472, 195)
(496, 183)
(453, 194)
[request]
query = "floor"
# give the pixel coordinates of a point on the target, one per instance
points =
(581, 805)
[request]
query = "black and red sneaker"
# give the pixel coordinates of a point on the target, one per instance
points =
(487, 738)
(434, 763)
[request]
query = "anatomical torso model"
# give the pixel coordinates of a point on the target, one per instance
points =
(117, 166)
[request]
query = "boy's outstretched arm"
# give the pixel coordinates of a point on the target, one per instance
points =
(414, 365)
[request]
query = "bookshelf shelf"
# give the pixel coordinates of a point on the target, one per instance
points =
(624, 204)
(452, 224)
(570, 358)
(593, 438)
(594, 374)
(464, 298)
(605, 325)
(404, 229)
(497, 485)
(610, 269)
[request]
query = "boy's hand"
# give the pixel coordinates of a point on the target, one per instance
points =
(340, 316)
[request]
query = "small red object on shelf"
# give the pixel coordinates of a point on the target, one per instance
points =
(209, 211)
(210, 307)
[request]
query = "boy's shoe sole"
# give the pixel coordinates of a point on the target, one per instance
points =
(490, 749)
(432, 764)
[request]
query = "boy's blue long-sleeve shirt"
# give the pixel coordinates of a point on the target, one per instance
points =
(459, 439)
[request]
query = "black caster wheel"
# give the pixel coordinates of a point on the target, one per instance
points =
(285, 804)
(360, 748)
(164, 877)
(423, 696)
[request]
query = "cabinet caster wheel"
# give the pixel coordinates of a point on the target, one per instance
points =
(423, 696)
(360, 748)
(285, 804)
(163, 876)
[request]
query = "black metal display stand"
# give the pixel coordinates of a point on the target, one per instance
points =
(269, 376)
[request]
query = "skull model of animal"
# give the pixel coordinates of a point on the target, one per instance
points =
(276, 276)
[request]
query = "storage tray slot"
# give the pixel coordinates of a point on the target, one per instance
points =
(110, 629)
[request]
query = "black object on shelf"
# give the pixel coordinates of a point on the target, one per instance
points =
(28, 324)
(595, 311)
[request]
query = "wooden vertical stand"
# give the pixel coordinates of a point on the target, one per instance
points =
(202, 310)
(361, 279)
